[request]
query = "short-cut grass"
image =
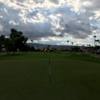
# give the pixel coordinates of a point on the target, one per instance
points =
(49, 76)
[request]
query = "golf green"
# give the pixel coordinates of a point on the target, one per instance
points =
(49, 76)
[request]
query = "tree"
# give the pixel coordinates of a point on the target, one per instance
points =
(72, 43)
(8, 44)
(17, 40)
(2, 39)
(98, 42)
(94, 40)
(67, 41)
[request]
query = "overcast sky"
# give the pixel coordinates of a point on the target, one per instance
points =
(52, 21)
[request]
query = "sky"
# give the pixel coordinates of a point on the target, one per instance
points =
(52, 21)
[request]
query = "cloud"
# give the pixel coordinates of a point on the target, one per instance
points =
(45, 18)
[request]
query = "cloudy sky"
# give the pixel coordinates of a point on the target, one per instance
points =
(52, 21)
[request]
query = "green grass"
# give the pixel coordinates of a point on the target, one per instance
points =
(49, 76)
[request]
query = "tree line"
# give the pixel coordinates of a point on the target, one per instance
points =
(16, 41)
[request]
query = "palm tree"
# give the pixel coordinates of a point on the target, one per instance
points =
(94, 39)
(67, 41)
(72, 43)
(97, 41)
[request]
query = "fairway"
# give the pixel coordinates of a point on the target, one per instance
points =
(49, 76)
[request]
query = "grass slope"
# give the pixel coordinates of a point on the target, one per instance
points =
(49, 76)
